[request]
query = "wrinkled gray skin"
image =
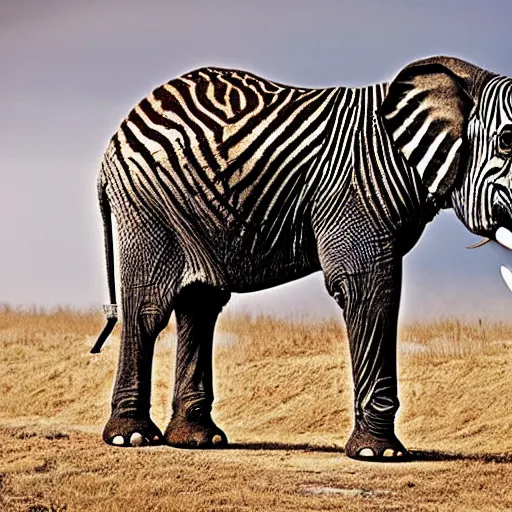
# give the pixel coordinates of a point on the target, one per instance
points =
(176, 255)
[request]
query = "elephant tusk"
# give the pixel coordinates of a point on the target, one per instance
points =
(506, 274)
(479, 243)
(504, 237)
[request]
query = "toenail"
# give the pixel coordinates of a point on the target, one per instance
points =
(156, 438)
(366, 452)
(388, 452)
(136, 439)
(399, 454)
(118, 440)
(216, 439)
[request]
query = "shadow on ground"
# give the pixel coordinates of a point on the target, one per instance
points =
(416, 455)
(437, 456)
(286, 447)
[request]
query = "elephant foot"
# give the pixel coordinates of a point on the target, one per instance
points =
(127, 432)
(363, 445)
(194, 431)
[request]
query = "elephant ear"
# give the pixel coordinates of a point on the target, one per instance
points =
(425, 113)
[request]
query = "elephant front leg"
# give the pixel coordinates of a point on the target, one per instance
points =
(143, 318)
(371, 304)
(191, 425)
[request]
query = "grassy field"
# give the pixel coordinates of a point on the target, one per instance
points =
(283, 398)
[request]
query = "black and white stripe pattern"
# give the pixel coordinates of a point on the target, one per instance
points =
(220, 151)
(224, 151)
(488, 182)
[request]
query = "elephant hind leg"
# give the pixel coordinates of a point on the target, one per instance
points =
(150, 262)
(197, 308)
(145, 314)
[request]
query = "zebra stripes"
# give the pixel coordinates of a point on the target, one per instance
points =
(428, 127)
(225, 151)
(391, 197)
(475, 201)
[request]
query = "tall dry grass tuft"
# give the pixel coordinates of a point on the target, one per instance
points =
(27, 321)
(449, 338)
(260, 337)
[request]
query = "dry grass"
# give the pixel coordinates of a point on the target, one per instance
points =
(449, 338)
(284, 400)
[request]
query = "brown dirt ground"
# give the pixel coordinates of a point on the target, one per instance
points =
(284, 400)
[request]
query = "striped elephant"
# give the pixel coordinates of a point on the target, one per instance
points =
(221, 181)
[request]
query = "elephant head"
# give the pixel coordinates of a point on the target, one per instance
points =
(452, 122)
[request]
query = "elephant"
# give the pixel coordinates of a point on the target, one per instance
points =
(223, 182)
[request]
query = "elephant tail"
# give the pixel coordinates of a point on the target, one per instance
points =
(109, 309)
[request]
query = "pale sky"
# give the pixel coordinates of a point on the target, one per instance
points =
(72, 70)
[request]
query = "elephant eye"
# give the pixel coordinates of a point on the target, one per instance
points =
(505, 141)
